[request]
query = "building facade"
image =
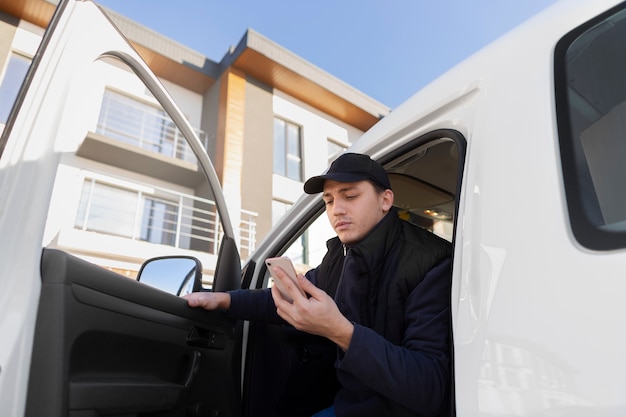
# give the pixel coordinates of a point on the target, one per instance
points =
(267, 118)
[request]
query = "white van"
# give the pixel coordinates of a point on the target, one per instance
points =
(514, 155)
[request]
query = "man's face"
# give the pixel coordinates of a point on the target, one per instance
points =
(354, 208)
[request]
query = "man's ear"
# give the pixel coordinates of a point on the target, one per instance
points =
(387, 197)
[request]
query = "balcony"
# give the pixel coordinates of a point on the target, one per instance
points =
(145, 126)
(158, 216)
(140, 137)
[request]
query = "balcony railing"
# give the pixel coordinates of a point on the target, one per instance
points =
(143, 125)
(158, 216)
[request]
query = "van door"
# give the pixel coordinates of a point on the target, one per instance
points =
(79, 339)
(291, 373)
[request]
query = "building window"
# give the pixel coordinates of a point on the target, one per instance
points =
(107, 209)
(13, 78)
(112, 210)
(335, 148)
(159, 221)
(287, 149)
(157, 216)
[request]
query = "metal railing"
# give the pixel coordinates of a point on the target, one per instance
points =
(247, 233)
(143, 125)
(160, 216)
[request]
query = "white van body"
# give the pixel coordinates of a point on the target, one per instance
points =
(538, 318)
(537, 302)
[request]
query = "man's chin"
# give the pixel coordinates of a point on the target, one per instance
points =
(346, 238)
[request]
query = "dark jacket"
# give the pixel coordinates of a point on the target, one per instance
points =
(394, 286)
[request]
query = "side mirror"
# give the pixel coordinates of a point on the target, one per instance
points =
(178, 275)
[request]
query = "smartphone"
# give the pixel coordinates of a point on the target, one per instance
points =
(286, 265)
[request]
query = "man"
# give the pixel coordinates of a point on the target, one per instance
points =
(381, 294)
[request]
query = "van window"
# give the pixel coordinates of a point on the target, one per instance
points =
(590, 63)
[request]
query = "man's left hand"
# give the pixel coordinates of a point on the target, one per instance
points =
(317, 314)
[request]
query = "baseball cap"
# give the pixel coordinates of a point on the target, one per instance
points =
(349, 167)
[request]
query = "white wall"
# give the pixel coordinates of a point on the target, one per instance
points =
(27, 38)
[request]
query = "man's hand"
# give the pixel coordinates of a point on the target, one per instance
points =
(317, 314)
(209, 300)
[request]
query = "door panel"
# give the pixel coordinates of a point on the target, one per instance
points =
(103, 343)
(114, 346)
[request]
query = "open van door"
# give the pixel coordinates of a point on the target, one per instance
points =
(91, 341)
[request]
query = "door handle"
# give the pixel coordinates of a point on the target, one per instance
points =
(203, 338)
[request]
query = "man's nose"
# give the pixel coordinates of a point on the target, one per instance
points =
(338, 207)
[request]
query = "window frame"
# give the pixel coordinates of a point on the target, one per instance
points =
(284, 152)
(585, 229)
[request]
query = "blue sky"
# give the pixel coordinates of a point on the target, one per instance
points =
(388, 49)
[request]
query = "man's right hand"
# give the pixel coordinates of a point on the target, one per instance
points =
(209, 300)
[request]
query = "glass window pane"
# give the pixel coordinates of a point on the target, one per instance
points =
(293, 152)
(293, 138)
(293, 168)
(591, 90)
(81, 215)
(287, 150)
(11, 83)
(159, 222)
(120, 120)
(279, 147)
(107, 209)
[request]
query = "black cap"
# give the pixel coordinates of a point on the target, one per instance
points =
(349, 167)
